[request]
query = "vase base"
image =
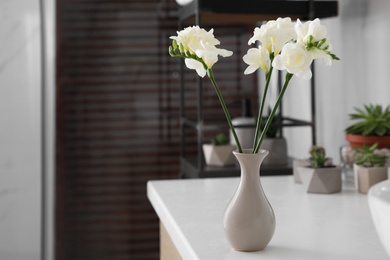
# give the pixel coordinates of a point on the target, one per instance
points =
(250, 250)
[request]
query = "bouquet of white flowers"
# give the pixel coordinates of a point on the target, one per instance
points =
(284, 45)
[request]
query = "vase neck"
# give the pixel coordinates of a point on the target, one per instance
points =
(250, 163)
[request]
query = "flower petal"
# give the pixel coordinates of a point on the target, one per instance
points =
(250, 69)
(225, 53)
(278, 64)
(210, 58)
(196, 65)
(257, 57)
(294, 58)
(274, 34)
(304, 74)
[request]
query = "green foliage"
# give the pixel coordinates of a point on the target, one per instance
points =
(317, 157)
(220, 139)
(366, 156)
(374, 120)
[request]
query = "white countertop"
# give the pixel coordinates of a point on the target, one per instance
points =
(308, 226)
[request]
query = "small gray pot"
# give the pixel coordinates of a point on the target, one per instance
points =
(321, 180)
(368, 176)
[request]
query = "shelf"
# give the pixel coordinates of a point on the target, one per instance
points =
(250, 12)
(211, 125)
(189, 168)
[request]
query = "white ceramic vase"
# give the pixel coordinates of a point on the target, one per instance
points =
(249, 220)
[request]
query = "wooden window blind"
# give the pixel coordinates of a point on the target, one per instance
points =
(118, 121)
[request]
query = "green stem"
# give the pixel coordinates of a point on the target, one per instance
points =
(225, 110)
(271, 116)
(260, 115)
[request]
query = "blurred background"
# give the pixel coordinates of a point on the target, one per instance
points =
(89, 112)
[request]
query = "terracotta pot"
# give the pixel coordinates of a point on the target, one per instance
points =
(359, 140)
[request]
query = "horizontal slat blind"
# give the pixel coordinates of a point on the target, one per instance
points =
(118, 121)
(117, 126)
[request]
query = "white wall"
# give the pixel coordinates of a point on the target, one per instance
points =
(360, 37)
(20, 130)
(27, 129)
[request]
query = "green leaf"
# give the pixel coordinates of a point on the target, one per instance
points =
(372, 120)
(373, 147)
(380, 130)
(369, 129)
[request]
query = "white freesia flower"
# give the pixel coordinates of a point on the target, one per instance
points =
(197, 41)
(196, 65)
(295, 59)
(284, 45)
(257, 58)
(310, 32)
(274, 34)
(209, 53)
(310, 29)
(191, 38)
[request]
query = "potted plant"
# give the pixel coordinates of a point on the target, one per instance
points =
(373, 126)
(320, 177)
(219, 152)
(299, 163)
(370, 167)
(276, 145)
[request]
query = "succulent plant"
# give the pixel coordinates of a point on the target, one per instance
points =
(367, 156)
(220, 139)
(317, 156)
(373, 120)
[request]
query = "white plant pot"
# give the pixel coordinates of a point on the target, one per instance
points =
(355, 176)
(277, 148)
(245, 128)
(218, 155)
(321, 180)
(297, 164)
(184, 2)
(368, 176)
